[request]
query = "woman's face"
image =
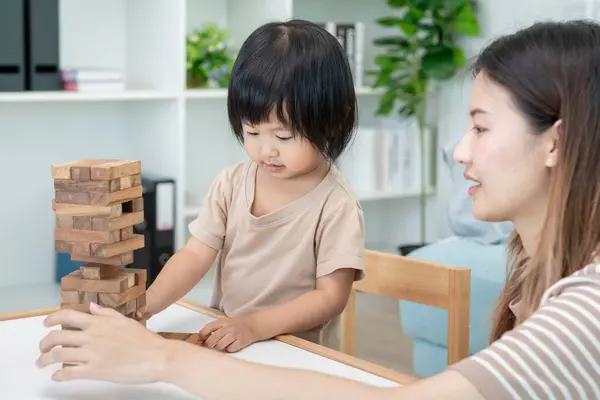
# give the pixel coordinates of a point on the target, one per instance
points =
(506, 160)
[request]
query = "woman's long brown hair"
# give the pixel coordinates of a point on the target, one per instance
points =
(552, 71)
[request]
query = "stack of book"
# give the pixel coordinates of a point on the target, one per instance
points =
(351, 36)
(92, 80)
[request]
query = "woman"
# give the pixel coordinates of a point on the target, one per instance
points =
(532, 154)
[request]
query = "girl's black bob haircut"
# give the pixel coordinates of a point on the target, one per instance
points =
(300, 72)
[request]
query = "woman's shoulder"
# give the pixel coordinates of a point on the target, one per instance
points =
(554, 354)
(583, 280)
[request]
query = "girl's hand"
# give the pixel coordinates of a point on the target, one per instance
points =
(228, 334)
(149, 309)
(108, 346)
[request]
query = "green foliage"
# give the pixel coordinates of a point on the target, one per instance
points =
(209, 57)
(425, 49)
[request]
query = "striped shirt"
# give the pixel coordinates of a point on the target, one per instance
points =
(555, 354)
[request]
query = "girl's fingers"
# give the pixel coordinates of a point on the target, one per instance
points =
(235, 346)
(225, 341)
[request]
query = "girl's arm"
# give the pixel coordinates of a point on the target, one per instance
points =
(306, 311)
(112, 347)
(180, 274)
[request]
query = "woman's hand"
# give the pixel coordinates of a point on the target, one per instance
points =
(228, 334)
(108, 346)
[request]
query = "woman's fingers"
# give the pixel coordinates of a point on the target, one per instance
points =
(72, 372)
(63, 355)
(72, 318)
(62, 338)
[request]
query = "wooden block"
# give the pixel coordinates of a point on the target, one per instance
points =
(63, 246)
(83, 307)
(127, 219)
(140, 275)
(134, 205)
(193, 338)
(116, 299)
(61, 171)
(112, 185)
(127, 182)
(64, 170)
(65, 221)
(69, 328)
(131, 307)
(75, 282)
(71, 296)
(112, 210)
(121, 247)
(80, 173)
(82, 222)
(115, 169)
(122, 259)
(96, 198)
(75, 197)
(90, 297)
(70, 247)
(82, 248)
(99, 271)
(127, 233)
(78, 235)
(141, 301)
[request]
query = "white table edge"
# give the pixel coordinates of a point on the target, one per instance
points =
(314, 348)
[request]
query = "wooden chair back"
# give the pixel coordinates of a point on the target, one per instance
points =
(417, 281)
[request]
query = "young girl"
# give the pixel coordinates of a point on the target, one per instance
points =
(288, 228)
(532, 154)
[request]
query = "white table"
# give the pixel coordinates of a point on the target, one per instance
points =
(21, 379)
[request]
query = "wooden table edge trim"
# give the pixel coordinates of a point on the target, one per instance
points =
(28, 314)
(322, 351)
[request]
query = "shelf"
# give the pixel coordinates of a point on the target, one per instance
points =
(60, 96)
(391, 194)
(222, 93)
(206, 93)
(192, 212)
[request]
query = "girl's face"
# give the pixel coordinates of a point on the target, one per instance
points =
(273, 148)
(507, 162)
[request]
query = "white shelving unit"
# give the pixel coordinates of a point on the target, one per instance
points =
(176, 132)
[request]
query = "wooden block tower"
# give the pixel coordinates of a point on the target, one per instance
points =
(97, 203)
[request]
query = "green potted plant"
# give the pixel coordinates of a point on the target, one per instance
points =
(424, 51)
(209, 57)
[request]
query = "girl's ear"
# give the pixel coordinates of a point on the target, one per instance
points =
(553, 136)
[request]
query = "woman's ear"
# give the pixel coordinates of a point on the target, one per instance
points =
(553, 136)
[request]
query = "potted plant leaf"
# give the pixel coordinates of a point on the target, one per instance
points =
(424, 51)
(209, 57)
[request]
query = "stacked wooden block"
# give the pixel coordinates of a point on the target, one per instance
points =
(97, 204)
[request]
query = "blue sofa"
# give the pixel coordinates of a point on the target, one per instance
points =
(477, 245)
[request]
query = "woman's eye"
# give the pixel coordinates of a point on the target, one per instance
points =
(284, 138)
(252, 133)
(478, 129)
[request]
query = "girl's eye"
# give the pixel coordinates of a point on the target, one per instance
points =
(252, 133)
(284, 139)
(478, 129)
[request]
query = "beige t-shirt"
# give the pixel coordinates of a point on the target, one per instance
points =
(554, 354)
(272, 259)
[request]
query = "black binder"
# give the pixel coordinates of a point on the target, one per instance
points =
(158, 227)
(42, 32)
(12, 46)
